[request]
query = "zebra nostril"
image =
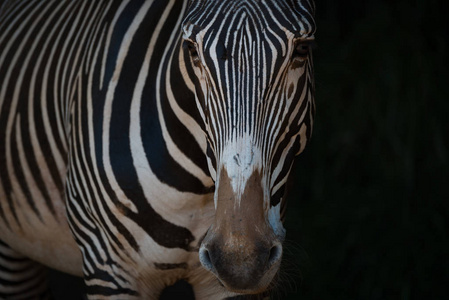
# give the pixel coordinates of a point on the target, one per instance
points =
(275, 254)
(205, 259)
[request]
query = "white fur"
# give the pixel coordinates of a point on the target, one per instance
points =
(274, 217)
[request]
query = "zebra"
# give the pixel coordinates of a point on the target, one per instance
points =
(147, 142)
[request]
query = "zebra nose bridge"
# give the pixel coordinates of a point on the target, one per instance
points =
(240, 200)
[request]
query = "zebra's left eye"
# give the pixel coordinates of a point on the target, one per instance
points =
(193, 51)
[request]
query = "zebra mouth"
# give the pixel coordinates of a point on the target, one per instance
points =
(242, 272)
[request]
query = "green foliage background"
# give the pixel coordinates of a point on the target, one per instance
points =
(368, 210)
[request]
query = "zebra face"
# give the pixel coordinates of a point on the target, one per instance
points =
(254, 91)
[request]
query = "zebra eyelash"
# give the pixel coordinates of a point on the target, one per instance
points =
(192, 48)
(303, 48)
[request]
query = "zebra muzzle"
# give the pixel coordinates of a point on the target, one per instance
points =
(240, 248)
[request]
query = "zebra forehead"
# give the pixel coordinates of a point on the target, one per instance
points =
(277, 15)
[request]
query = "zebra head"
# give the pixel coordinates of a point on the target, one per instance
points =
(254, 91)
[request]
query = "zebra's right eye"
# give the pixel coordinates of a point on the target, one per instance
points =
(302, 48)
(193, 51)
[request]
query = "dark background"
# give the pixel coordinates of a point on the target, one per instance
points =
(368, 212)
(368, 209)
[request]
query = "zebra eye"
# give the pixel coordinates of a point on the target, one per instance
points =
(193, 51)
(302, 48)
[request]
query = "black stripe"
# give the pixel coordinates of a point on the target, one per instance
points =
(97, 290)
(166, 266)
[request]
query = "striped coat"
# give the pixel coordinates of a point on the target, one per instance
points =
(146, 142)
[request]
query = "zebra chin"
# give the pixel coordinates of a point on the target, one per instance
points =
(241, 248)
